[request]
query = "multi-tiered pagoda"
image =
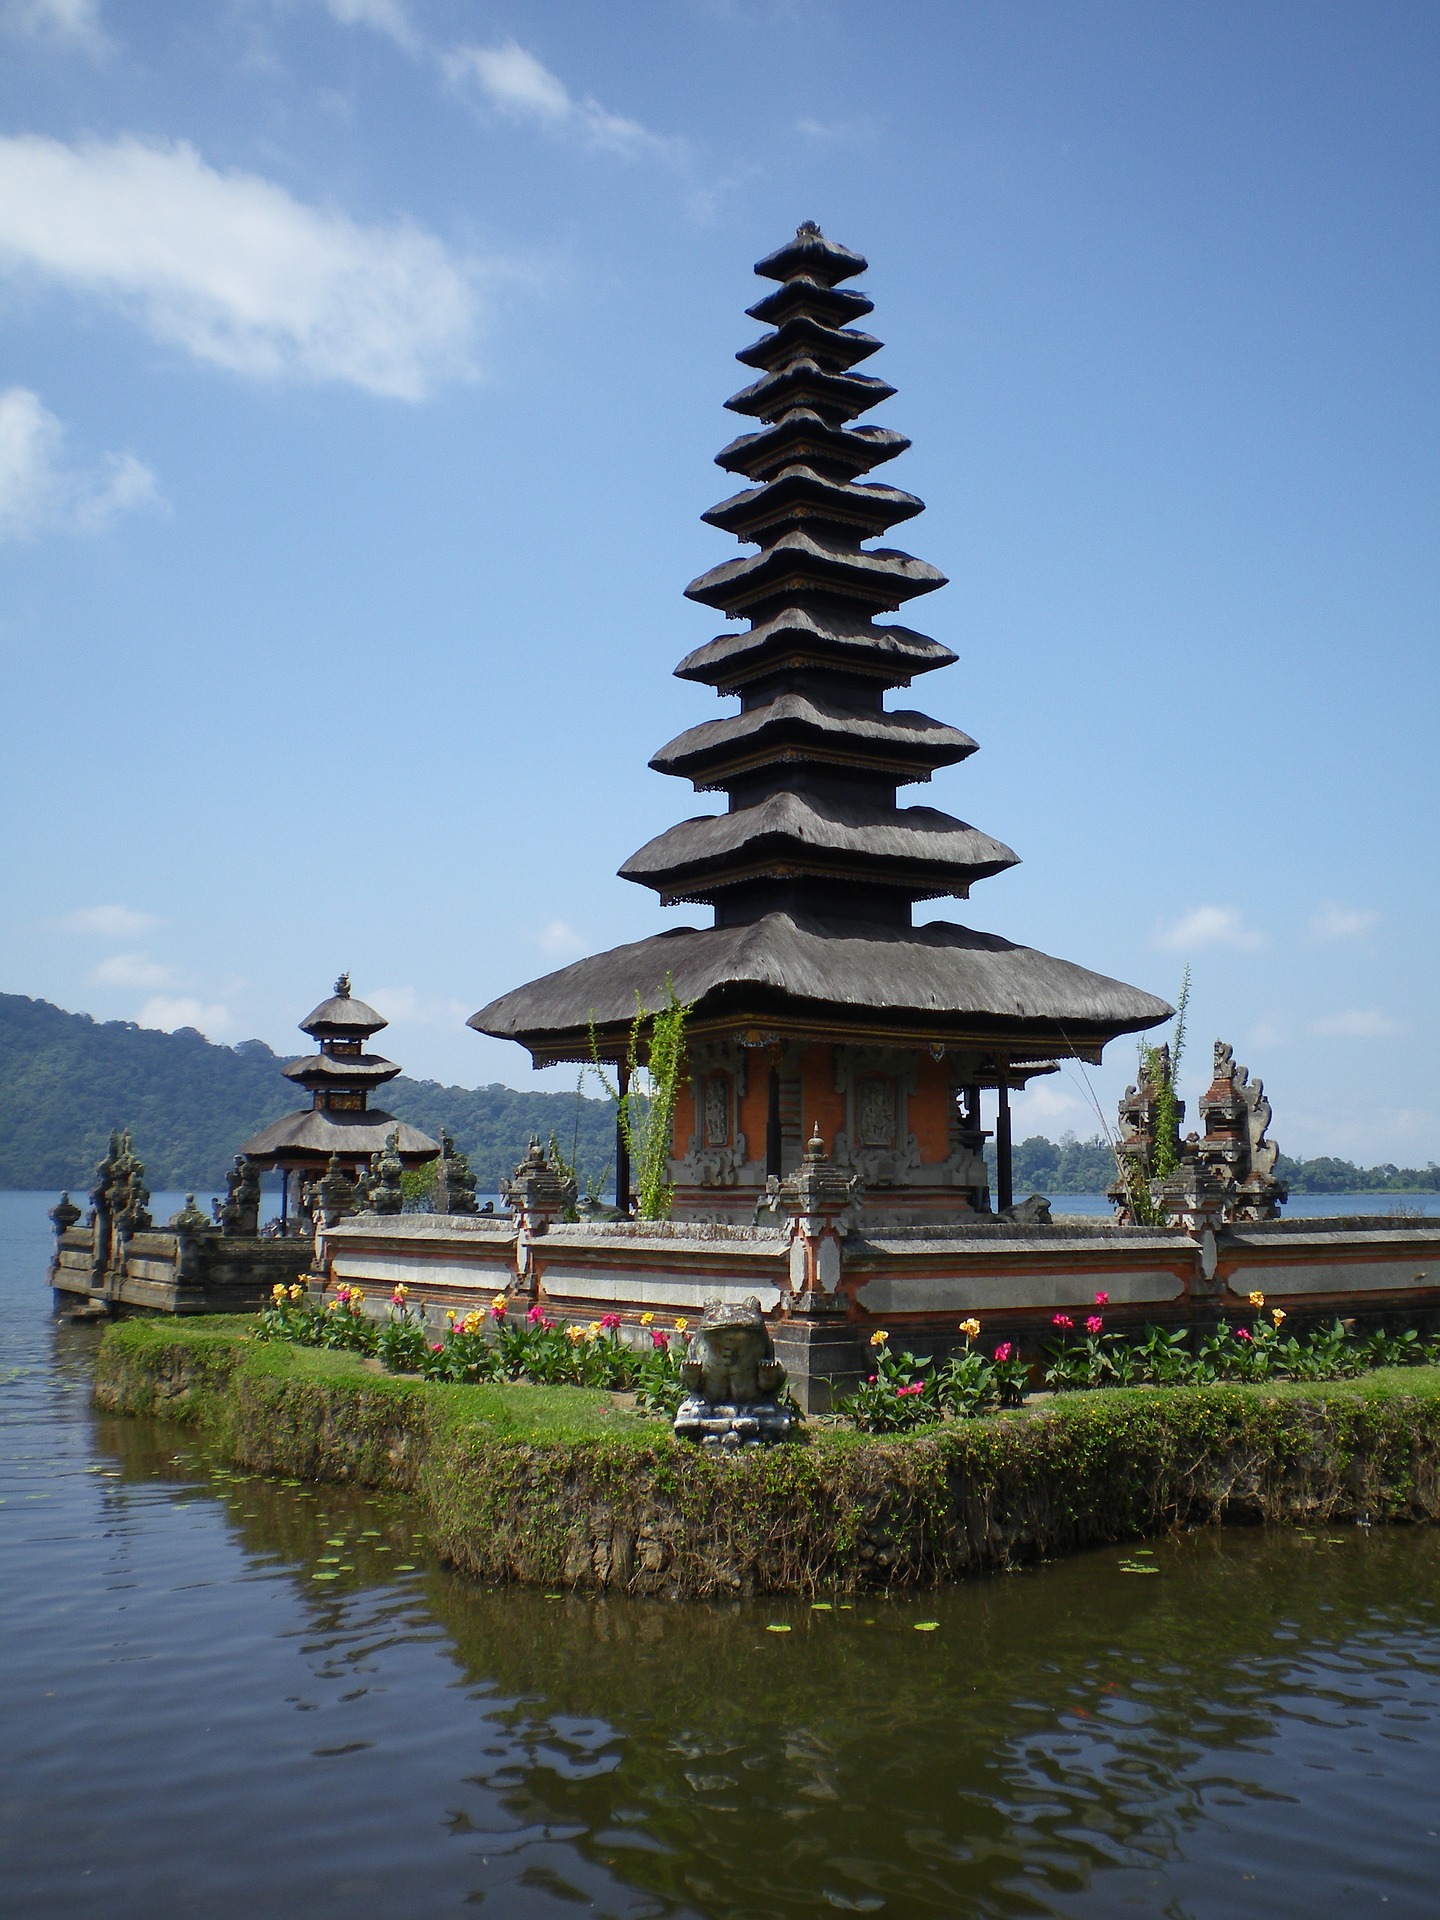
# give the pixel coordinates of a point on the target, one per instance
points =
(340, 1078)
(817, 1001)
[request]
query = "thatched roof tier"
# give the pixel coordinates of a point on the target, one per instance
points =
(798, 495)
(811, 255)
(936, 984)
(805, 334)
(831, 306)
(916, 850)
(342, 1016)
(796, 564)
(836, 397)
(337, 1070)
(804, 436)
(311, 1137)
(799, 637)
(792, 729)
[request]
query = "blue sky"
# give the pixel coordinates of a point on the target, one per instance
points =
(361, 369)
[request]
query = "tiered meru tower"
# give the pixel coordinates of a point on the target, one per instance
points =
(816, 1001)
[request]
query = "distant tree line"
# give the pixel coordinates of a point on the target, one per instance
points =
(66, 1080)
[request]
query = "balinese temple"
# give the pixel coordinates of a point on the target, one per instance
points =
(817, 1001)
(340, 1079)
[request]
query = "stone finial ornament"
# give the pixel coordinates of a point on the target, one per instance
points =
(240, 1215)
(454, 1182)
(386, 1194)
(537, 1193)
(63, 1215)
(336, 1194)
(190, 1219)
(129, 1195)
(731, 1379)
(1237, 1118)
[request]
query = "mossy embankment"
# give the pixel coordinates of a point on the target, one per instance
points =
(558, 1486)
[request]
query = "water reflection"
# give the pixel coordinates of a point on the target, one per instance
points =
(226, 1693)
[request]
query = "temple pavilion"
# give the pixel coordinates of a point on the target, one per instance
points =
(339, 1077)
(817, 1002)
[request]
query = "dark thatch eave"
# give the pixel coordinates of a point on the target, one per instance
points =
(910, 745)
(314, 1137)
(937, 980)
(343, 1016)
(804, 635)
(322, 1069)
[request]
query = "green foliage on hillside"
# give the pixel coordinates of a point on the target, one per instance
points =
(66, 1080)
(1088, 1166)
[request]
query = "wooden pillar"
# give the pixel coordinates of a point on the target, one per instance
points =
(773, 1144)
(1004, 1176)
(622, 1148)
(284, 1200)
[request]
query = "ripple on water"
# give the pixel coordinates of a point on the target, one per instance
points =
(197, 1723)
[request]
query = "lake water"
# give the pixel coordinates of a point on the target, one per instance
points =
(225, 1696)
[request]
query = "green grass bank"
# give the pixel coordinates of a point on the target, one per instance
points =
(556, 1486)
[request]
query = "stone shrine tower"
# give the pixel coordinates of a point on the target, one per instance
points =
(817, 1003)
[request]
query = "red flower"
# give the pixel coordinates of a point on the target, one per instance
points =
(1061, 1320)
(1242, 1333)
(870, 1381)
(662, 1341)
(1102, 1299)
(1004, 1351)
(609, 1321)
(537, 1312)
(1094, 1324)
(438, 1347)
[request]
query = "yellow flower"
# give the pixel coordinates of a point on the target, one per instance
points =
(879, 1337)
(472, 1322)
(297, 1292)
(647, 1319)
(277, 1292)
(970, 1328)
(450, 1314)
(592, 1332)
(1257, 1300)
(681, 1325)
(1277, 1315)
(402, 1289)
(576, 1334)
(498, 1301)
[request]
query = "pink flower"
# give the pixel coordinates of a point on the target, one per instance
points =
(1004, 1351)
(1242, 1333)
(870, 1381)
(662, 1341)
(1102, 1299)
(609, 1321)
(438, 1347)
(1062, 1320)
(497, 1310)
(1094, 1324)
(537, 1312)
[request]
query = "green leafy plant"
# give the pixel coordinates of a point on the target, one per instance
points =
(897, 1397)
(647, 1107)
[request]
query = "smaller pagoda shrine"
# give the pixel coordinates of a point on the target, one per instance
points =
(339, 1130)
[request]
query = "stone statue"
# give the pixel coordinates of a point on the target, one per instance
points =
(241, 1211)
(731, 1378)
(129, 1195)
(386, 1167)
(63, 1215)
(454, 1182)
(101, 1215)
(190, 1219)
(335, 1194)
(1235, 1148)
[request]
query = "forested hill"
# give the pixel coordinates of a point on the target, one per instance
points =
(66, 1080)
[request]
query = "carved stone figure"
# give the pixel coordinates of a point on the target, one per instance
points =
(537, 1194)
(1237, 1116)
(129, 1195)
(241, 1211)
(63, 1215)
(190, 1219)
(336, 1194)
(454, 1182)
(386, 1194)
(731, 1378)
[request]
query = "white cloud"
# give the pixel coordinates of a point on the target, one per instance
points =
(1044, 1101)
(233, 269)
(1265, 1033)
(74, 23)
(514, 82)
(1332, 921)
(1356, 1023)
(384, 16)
(39, 493)
(1209, 927)
(168, 1013)
(131, 970)
(111, 923)
(559, 937)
